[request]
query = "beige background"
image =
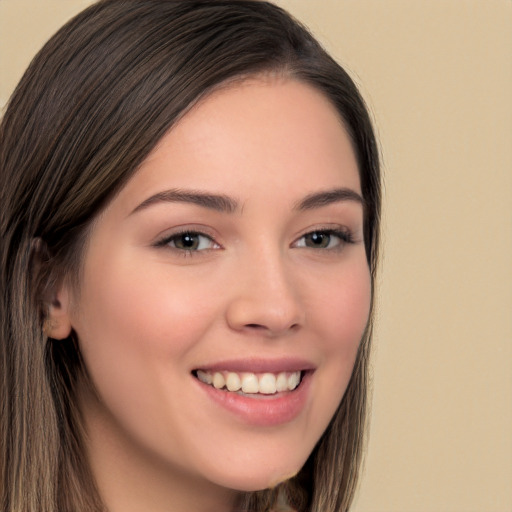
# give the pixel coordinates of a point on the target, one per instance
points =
(438, 77)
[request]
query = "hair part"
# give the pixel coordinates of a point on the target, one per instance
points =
(91, 106)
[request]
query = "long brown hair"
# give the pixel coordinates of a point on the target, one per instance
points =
(91, 106)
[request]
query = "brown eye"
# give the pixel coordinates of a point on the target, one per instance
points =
(325, 239)
(317, 240)
(189, 241)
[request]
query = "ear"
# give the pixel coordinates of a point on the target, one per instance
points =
(58, 322)
(52, 292)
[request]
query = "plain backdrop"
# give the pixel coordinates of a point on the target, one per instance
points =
(437, 75)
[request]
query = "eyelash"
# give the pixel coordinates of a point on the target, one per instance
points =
(166, 241)
(345, 236)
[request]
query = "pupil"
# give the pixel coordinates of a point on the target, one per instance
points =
(188, 241)
(319, 239)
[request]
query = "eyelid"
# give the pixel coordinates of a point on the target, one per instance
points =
(345, 235)
(164, 240)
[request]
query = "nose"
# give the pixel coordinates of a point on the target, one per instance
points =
(265, 299)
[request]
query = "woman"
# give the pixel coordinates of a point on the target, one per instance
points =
(190, 206)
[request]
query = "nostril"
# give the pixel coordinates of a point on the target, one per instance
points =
(255, 326)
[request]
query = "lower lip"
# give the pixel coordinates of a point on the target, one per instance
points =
(262, 410)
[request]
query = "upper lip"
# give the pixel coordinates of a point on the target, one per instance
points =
(260, 365)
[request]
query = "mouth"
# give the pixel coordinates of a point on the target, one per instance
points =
(251, 384)
(259, 392)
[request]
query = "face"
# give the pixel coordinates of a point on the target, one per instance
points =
(234, 258)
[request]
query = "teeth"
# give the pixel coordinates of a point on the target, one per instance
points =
(282, 382)
(233, 382)
(268, 384)
(251, 383)
(218, 380)
(293, 380)
(205, 377)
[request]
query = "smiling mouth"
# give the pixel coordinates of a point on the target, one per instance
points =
(251, 384)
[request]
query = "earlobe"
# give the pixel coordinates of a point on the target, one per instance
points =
(58, 321)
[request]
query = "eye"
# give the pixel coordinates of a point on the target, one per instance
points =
(325, 239)
(189, 241)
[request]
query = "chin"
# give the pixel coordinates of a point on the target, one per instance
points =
(257, 477)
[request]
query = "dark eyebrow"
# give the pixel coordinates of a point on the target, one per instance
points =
(218, 202)
(324, 198)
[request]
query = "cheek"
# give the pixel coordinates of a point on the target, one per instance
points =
(136, 329)
(345, 306)
(343, 312)
(143, 311)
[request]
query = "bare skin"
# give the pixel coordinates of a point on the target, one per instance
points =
(239, 242)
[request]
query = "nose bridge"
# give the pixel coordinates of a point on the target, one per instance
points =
(265, 296)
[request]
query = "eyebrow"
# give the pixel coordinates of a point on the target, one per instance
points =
(327, 197)
(225, 204)
(217, 202)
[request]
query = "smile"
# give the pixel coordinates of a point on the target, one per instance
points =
(251, 383)
(258, 392)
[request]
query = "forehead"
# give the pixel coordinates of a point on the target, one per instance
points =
(252, 136)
